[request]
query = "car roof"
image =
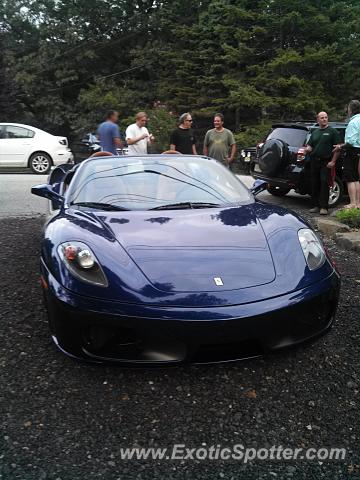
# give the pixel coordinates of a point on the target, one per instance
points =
(305, 125)
(338, 124)
(292, 125)
(23, 126)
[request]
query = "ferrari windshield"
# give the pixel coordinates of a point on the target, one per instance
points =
(155, 182)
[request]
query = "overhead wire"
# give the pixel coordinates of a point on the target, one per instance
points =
(99, 78)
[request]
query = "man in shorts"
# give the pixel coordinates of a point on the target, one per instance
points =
(352, 154)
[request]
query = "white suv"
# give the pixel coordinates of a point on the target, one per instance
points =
(24, 146)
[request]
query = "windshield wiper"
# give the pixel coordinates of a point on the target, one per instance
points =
(183, 205)
(99, 205)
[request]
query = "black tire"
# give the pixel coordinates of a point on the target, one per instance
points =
(336, 192)
(272, 156)
(277, 191)
(40, 163)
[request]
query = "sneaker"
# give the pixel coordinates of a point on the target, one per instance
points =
(323, 211)
(314, 210)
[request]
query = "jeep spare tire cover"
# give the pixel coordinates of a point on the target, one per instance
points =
(272, 155)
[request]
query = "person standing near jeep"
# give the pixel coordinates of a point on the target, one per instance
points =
(323, 159)
(219, 142)
(351, 172)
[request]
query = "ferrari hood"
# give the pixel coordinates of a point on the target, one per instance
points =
(196, 250)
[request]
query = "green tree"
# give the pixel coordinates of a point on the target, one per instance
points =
(256, 61)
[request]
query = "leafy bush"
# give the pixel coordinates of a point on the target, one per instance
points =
(161, 124)
(251, 135)
(349, 216)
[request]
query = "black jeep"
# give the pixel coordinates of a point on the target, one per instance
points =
(282, 162)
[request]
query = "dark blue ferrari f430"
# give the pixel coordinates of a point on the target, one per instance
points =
(170, 258)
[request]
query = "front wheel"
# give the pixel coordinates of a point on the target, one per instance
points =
(336, 192)
(277, 191)
(40, 163)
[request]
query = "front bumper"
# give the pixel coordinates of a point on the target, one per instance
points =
(100, 331)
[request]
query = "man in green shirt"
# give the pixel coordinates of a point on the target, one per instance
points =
(320, 147)
(219, 142)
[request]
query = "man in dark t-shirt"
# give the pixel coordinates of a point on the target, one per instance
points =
(182, 138)
(320, 147)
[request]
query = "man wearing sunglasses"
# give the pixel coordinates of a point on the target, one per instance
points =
(182, 138)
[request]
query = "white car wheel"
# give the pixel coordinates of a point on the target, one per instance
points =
(336, 192)
(40, 163)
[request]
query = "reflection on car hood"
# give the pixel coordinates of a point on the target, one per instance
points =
(191, 250)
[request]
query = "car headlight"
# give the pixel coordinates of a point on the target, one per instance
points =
(312, 248)
(82, 263)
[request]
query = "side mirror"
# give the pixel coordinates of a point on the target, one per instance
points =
(47, 191)
(258, 187)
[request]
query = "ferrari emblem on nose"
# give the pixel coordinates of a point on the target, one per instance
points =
(218, 281)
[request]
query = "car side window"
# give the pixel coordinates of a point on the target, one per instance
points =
(342, 134)
(2, 131)
(13, 131)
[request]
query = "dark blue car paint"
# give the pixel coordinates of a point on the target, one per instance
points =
(182, 334)
(199, 309)
(233, 230)
(161, 266)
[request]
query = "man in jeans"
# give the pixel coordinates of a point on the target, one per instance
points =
(109, 133)
(320, 147)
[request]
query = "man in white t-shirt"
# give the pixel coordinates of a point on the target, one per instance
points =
(138, 136)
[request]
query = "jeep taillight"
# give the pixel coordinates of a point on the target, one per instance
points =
(258, 146)
(301, 154)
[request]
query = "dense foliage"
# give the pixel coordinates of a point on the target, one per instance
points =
(63, 63)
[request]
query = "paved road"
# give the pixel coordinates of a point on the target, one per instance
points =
(63, 420)
(15, 196)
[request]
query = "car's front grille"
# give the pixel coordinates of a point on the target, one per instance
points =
(124, 344)
(226, 352)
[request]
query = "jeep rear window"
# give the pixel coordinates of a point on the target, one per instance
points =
(294, 137)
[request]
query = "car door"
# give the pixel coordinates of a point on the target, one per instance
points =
(2, 143)
(340, 160)
(15, 145)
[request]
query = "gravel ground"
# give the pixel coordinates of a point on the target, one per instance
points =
(62, 420)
